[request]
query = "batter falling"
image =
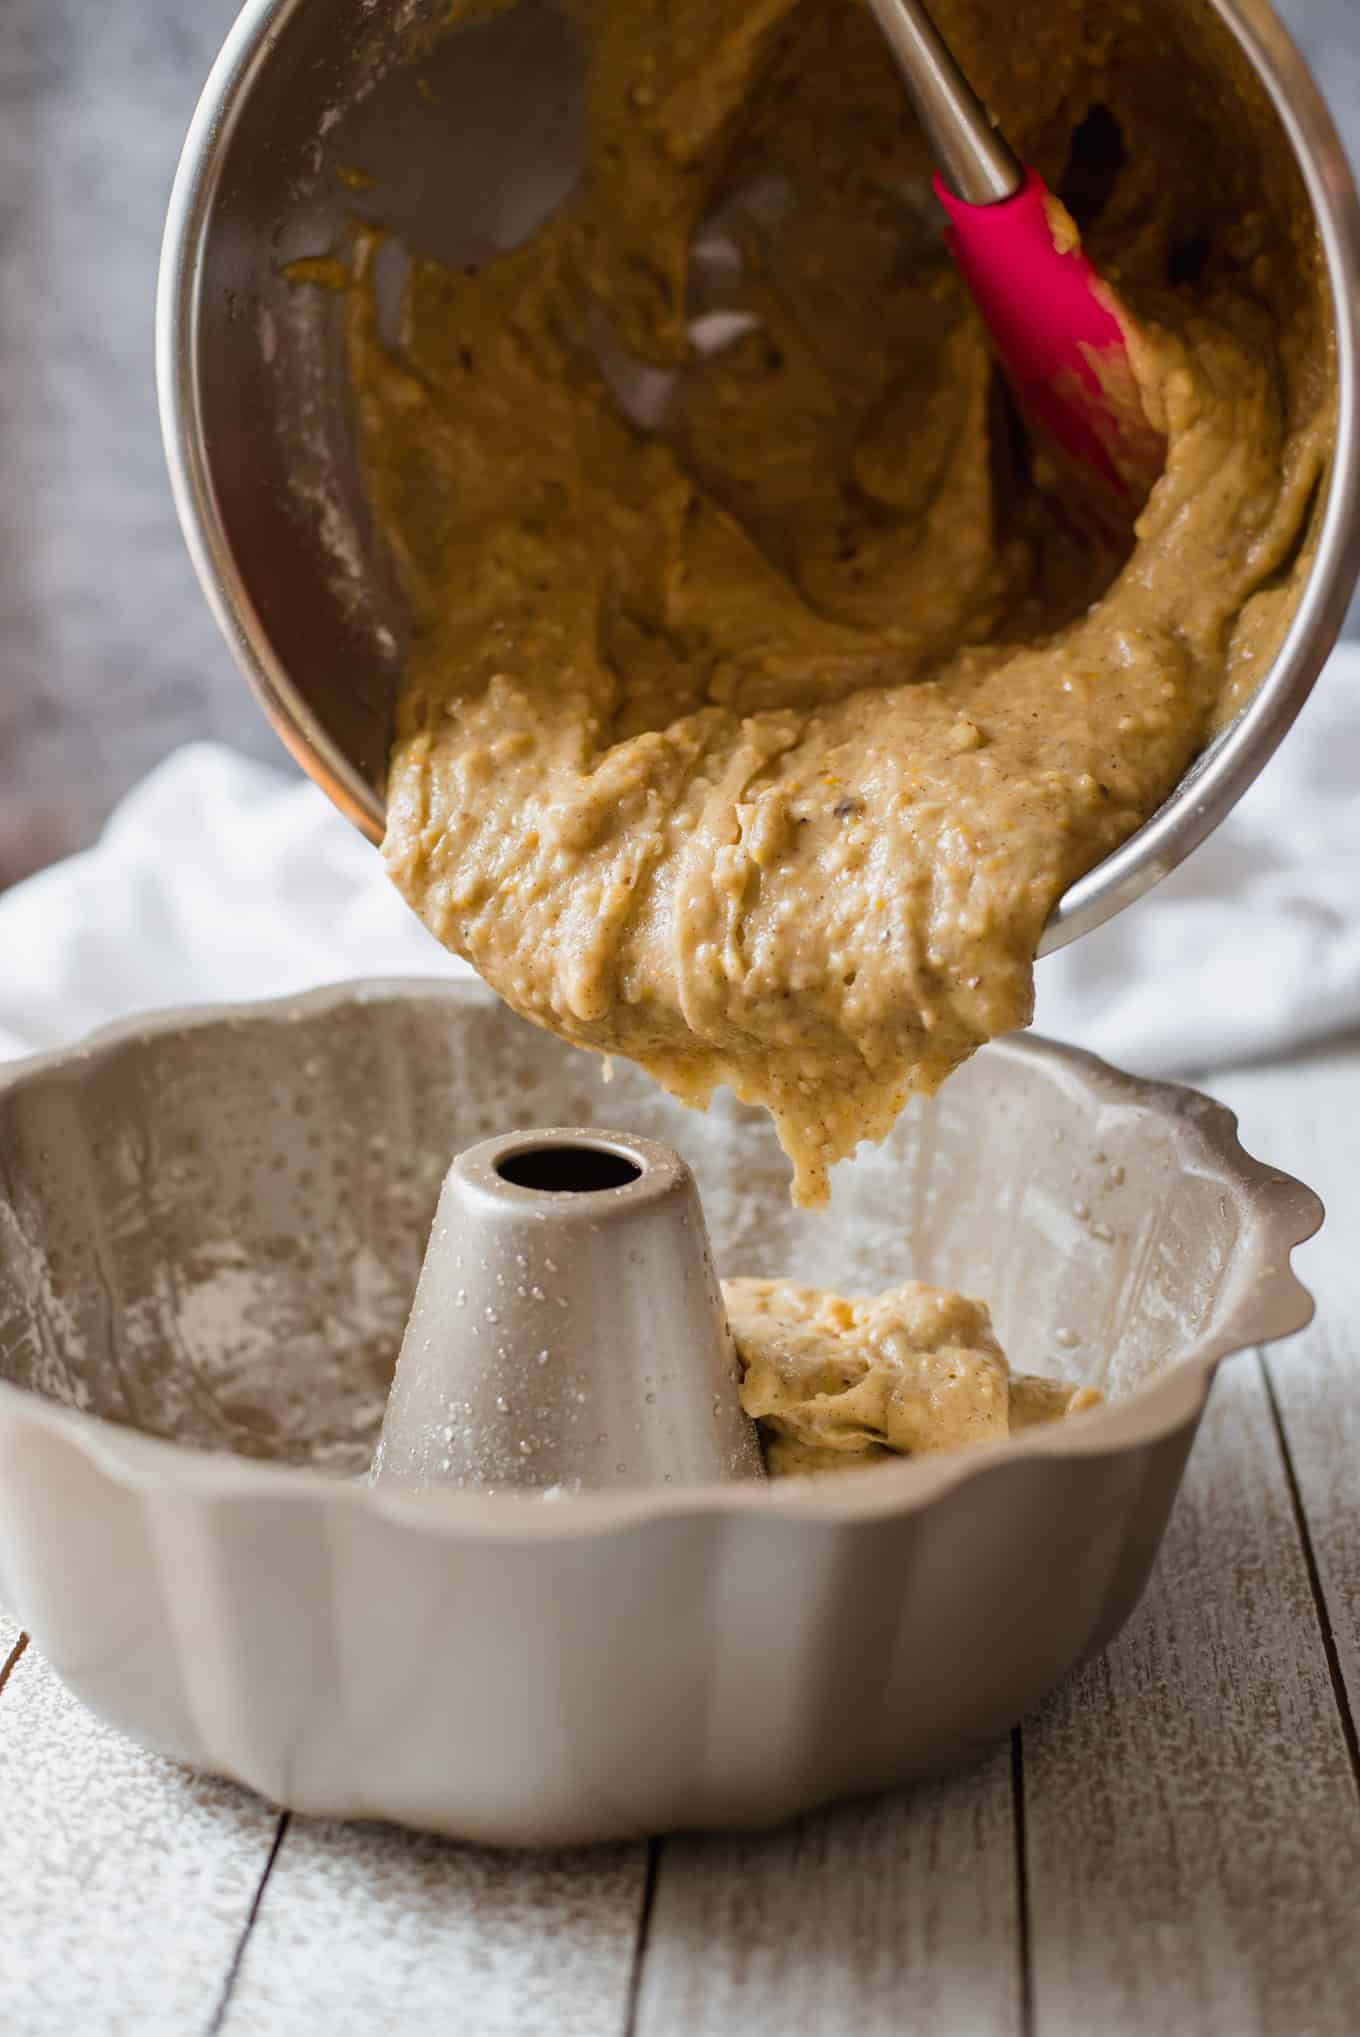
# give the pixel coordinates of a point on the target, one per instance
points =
(756, 736)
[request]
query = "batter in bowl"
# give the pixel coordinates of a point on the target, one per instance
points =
(767, 693)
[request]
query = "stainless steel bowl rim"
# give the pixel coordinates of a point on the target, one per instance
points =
(1277, 1306)
(1210, 790)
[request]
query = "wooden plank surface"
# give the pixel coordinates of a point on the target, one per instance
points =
(125, 1882)
(897, 1916)
(1193, 1827)
(1307, 1118)
(367, 1929)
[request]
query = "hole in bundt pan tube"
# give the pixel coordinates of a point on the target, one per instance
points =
(568, 1170)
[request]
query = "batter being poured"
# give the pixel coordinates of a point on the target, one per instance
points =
(767, 692)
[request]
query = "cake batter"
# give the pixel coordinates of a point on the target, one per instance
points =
(757, 740)
(834, 1384)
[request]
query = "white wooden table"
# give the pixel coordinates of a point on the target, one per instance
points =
(1171, 1846)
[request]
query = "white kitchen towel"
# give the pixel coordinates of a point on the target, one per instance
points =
(219, 879)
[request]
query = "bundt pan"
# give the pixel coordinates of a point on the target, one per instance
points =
(211, 1225)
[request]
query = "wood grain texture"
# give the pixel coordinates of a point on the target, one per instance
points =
(125, 1883)
(365, 1929)
(896, 1916)
(12, 1646)
(1307, 1118)
(1192, 1821)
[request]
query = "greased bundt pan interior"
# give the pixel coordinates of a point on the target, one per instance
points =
(211, 1225)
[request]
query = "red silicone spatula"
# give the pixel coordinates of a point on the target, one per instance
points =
(1051, 319)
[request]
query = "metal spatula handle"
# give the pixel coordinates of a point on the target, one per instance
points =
(973, 158)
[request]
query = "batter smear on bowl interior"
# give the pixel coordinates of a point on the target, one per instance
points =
(757, 741)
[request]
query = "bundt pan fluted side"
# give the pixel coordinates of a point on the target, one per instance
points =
(211, 1225)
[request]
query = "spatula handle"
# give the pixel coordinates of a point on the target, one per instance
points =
(975, 161)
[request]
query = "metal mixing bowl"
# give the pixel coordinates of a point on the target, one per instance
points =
(252, 375)
(211, 1225)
